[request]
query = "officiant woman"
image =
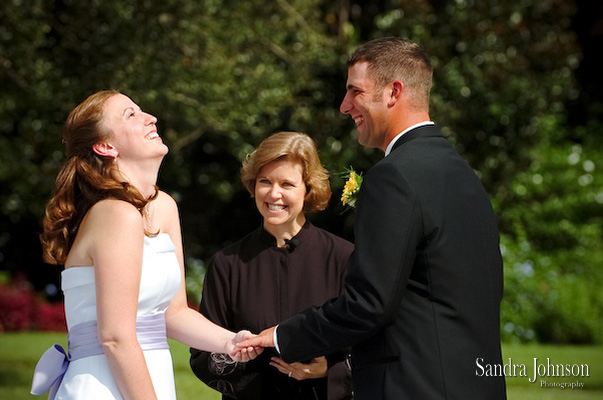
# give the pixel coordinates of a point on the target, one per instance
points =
(283, 267)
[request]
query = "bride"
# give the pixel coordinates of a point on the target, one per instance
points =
(119, 239)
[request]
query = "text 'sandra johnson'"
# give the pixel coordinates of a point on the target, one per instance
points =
(547, 369)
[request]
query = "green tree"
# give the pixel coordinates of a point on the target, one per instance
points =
(552, 245)
(220, 76)
(223, 74)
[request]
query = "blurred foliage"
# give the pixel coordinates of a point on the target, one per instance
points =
(512, 91)
(552, 243)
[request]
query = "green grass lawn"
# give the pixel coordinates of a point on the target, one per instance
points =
(19, 353)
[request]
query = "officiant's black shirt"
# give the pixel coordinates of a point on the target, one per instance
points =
(254, 285)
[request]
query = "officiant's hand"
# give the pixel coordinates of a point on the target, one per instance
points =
(243, 353)
(317, 368)
(264, 339)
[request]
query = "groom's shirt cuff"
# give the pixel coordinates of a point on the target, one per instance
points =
(276, 341)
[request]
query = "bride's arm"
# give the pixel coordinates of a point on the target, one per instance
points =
(116, 248)
(185, 324)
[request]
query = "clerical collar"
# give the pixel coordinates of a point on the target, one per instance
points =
(390, 146)
(293, 242)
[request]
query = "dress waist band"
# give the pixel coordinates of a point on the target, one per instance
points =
(82, 339)
(83, 342)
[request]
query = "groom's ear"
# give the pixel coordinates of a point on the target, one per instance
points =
(396, 89)
(105, 149)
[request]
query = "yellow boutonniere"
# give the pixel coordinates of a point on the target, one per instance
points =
(351, 188)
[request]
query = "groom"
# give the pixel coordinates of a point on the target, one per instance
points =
(422, 296)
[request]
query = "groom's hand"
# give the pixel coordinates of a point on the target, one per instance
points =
(242, 353)
(264, 339)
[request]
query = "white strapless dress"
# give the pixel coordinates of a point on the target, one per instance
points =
(90, 377)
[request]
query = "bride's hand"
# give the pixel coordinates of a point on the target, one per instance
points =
(243, 354)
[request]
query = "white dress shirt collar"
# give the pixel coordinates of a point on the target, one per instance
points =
(390, 146)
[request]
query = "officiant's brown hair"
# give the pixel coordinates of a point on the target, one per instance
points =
(293, 146)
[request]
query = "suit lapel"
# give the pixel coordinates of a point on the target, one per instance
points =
(420, 132)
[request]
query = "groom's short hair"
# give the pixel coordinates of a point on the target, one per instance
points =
(393, 58)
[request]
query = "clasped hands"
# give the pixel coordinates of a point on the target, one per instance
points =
(251, 344)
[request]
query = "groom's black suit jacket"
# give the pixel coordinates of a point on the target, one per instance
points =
(421, 302)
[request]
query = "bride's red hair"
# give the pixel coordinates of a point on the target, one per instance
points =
(84, 179)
